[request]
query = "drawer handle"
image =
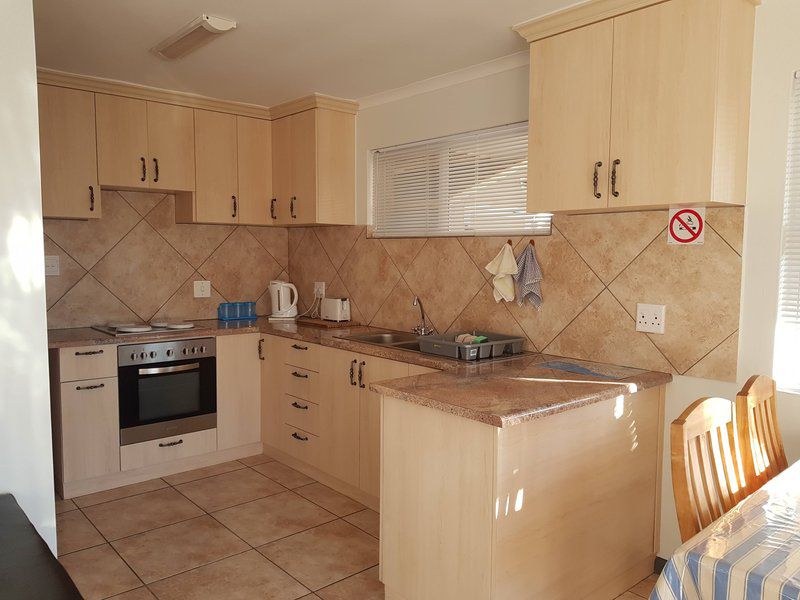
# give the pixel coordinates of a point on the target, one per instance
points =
(90, 387)
(261, 349)
(272, 208)
(144, 168)
(297, 436)
(296, 347)
(300, 375)
(155, 164)
(169, 444)
(353, 364)
(596, 179)
(91, 198)
(89, 353)
(361, 374)
(614, 191)
(300, 406)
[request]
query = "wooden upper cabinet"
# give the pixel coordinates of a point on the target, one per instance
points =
(282, 178)
(569, 131)
(68, 159)
(254, 151)
(217, 188)
(170, 141)
(303, 199)
(122, 141)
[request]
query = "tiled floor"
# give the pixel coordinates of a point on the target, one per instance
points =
(252, 528)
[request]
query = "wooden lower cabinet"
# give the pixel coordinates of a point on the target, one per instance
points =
(272, 357)
(154, 452)
(339, 412)
(238, 390)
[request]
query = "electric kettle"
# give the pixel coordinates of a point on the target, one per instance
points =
(284, 299)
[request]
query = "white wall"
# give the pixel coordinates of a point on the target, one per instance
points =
(26, 466)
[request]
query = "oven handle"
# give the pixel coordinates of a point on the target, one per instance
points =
(175, 369)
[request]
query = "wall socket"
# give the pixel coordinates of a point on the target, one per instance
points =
(52, 266)
(202, 289)
(650, 318)
(319, 289)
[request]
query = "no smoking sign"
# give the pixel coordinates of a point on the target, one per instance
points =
(686, 226)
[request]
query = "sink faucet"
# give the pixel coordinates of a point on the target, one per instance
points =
(422, 328)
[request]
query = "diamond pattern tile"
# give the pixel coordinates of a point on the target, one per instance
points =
(398, 312)
(403, 251)
(369, 274)
(86, 303)
(70, 273)
(182, 305)
(728, 222)
(142, 202)
(720, 363)
(484, 314)
(338, 240)
(275, 241)
(307, 264)
(482, 250)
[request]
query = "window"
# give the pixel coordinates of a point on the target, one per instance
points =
(460, 185)
(787, 334)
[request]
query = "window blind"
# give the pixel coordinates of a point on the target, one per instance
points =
(787, 338)
(461, 185)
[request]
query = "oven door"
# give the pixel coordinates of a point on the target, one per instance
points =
(164, 399)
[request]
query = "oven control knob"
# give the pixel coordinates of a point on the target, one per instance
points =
(194, 349)
(133, 355)
(202, 349)
(170, 352)
(152, 354)
(143, 355)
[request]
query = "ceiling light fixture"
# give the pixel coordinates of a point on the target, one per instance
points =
(190, 37)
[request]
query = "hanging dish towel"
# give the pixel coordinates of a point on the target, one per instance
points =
(504, 268)
(529, 278)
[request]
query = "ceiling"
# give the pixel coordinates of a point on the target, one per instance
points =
(282, 49)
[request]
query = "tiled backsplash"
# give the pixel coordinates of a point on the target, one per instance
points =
(596, 269)
(137, 263)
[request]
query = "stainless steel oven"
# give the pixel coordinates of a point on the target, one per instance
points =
(166, 388)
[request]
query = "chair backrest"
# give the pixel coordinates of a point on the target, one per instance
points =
(707, 474)
(759, 436)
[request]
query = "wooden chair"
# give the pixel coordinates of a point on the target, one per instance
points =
(759, 436)
(707, 474)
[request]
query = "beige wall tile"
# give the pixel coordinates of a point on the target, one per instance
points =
(87, 303)
(338, 289)
(728, 222)
(295, 236)
(369, 274)
(338, 241)
(720, 363)
(403, 251)
(482, 250)
(309, 263)
(398, 311)
(142, 202)
(275, 241)
(182, 305)
(70, 273)
(484, 314)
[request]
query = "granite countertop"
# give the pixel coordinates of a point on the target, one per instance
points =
(516, 390)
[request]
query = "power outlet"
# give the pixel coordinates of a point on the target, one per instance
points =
(319, 289)
(52, 266)
(650, 318)
(202, 289)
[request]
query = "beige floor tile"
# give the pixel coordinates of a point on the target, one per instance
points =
(364, 586)
(256, 459)
(229, 489)
(644, 587)
(120, 492)
(136, 514)
(176, 548)
(63, 506)
(329, 499)
(99, 572)
(204, 472)
(240, 577)
(75, 532)
(366, 520)
(324, 555)
(141, 593)
(284, 475)
(273, 517)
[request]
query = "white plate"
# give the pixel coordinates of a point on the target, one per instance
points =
(180, 325)
(135, 329)
(159, 324)
(118, 325)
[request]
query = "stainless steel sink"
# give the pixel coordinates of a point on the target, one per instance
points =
(394, 339)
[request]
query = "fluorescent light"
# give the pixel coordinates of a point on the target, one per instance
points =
(193, 35)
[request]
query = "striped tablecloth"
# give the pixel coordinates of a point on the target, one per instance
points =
(750, 553)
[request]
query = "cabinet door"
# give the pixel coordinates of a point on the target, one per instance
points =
(89, 428)
(68, 155)
(304, 168)
(215, 157)
(282, 168)
(339, 418)
(570, 104)
(122, 141)
(663, 97)
(254, 150)
(272, 390)
(170, 142)
(238, 390)
(369, 428)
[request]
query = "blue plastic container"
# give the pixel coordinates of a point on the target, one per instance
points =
(236, 311)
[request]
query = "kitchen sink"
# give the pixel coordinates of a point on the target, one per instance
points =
(395, 338)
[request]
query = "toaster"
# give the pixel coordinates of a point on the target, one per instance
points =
(335, 309)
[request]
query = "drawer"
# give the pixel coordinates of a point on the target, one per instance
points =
(303, 445)
(153, 452)
(300, 383)
(302, 354)
(87, 362)
(301, 413)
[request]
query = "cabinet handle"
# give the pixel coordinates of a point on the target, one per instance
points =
(291, 207)
(595, 179)
(261, 349)
(155, 166)
(614, 191)
(234, 206)
(361, 374)
(297, 436)
(300, 375)
(296, 347)
(91, 198)
(88, 353)
(352, 371)
(300, 406)
(90, 387)
(168, 444)
(272, 208)
(144, 168)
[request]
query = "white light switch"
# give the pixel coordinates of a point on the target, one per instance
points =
(52, 266)
(650, 318)
(202, 289)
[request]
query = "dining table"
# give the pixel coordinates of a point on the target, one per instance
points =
(752, 552)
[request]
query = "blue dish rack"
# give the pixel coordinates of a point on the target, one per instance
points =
(236, 311)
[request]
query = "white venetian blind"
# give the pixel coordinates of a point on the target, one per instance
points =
(787, 338)
(466, 184)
